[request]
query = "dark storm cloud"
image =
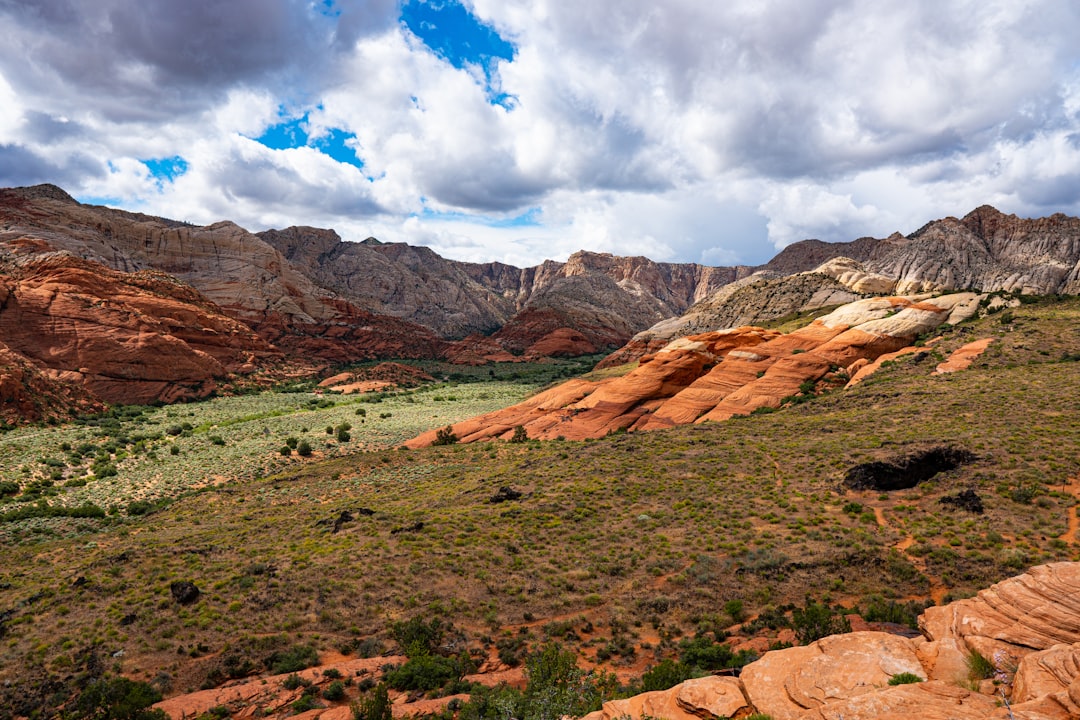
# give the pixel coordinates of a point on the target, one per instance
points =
(21, 166)
(46, 129)
(138, 60)
(268, 184)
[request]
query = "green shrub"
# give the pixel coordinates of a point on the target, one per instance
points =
(905, 678)
(519, 435)
(816, 621)
(423, 672)
(979, 668)
(735, 610)
(298, 657)
(445, 436)
(294, 681)
(418, 637)
(117, 699)
(705, 653)
(373, 707)
(667, 674)
(343, 435)
(303, 449)
(305, 703)
(334, 691)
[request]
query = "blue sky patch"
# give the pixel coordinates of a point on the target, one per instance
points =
(285, 135)
(334, 144)
(529, 218)
(457, 36)
(293, 133)
(165, 170)
(106, 200)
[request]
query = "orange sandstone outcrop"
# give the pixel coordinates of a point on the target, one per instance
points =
(692, 700)
(715, 376)
(1027, 626)
(962, 357)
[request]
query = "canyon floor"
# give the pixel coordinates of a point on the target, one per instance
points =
(618, 548)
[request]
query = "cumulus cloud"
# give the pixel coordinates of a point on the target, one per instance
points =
(710, 132)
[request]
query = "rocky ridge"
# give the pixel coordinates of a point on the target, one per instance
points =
(985, 250)
(605, 298)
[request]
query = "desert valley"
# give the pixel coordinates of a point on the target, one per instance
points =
(278, 474)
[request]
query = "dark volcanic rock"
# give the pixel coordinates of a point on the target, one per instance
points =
(184, 592)
(906, 471)
(967, 500)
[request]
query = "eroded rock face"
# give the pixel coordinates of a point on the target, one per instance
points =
(705, 697)
(986, 249)
(244, 276)
(31, 393)
(123, 337)
(1033, 611)
(715, 376)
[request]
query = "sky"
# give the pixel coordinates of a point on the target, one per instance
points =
(524, 130)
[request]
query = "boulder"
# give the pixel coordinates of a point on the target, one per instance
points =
(1046, 672)
(926, 701)
(697, 699)
(787, 683)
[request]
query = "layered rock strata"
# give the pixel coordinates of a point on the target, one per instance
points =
(715, 376)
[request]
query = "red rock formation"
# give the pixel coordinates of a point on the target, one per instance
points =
(714, 376)
(29, 393)
(561, 342)
(478, 350)
(124, 337)
(962, 357)
(242, 274)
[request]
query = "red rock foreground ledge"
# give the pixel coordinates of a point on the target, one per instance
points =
(1027, 626)
(716, 375)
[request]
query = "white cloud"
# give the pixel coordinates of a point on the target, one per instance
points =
(690, 131)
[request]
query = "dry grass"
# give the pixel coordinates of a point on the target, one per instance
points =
(637, 537)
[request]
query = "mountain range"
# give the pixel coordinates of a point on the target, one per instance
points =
(103, 305)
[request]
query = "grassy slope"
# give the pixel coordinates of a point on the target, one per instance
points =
(644, 535)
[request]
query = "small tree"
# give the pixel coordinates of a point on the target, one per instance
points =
(520, 435)
(445, 436)
(303, 448)
(373, 707)
(816, 621)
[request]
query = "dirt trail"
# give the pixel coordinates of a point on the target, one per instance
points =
(1073, 488)
(938, 591)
